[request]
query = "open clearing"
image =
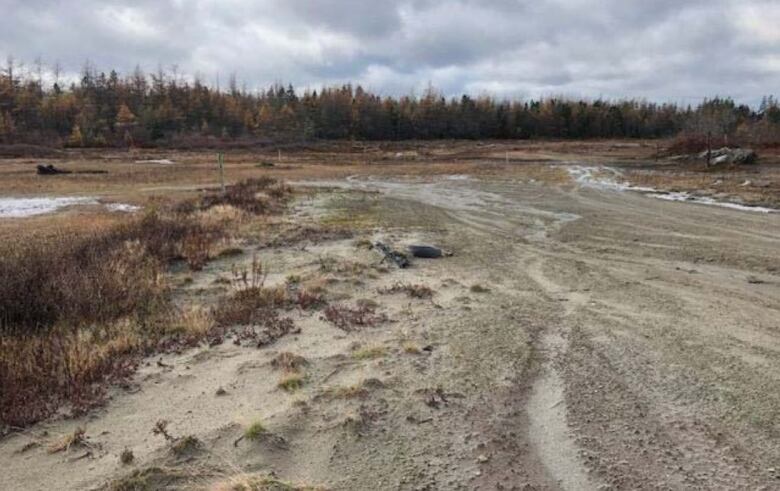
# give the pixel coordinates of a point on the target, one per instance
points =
(579, 337)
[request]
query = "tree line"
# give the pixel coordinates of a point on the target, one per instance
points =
(106, 109)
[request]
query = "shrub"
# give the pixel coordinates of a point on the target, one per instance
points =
(76, 312)
(257, 196)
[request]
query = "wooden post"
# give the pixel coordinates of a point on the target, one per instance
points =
(221, 162)
(709, 147)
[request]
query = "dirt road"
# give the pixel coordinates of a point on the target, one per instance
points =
(578, 339)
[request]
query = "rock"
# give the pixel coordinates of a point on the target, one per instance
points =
(727, 155)
(482, 458)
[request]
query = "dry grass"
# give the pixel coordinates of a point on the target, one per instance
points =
(291, 382)
(356, 391)
(369, 353)
(156, 478)
(350, 318)
(359, 390)
(342, 266)
(255, 431)
(411, 290)
(75, 439)
(289, 362)
(411, 348)
(258, 482)
(76, 311)
(257, 196)
(186, 446)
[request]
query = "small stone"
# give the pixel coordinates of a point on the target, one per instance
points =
(482, 458)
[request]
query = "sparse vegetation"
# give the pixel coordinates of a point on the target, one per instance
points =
(411, 348)
(71, 440)
(348, 392)
(161, 428)
(477, 288)
(255, 482)
(291, 382)
(349, 318)
(255, 431)
(342, 266)
(254, 303)
(369, 353)
(230, 252)
(126, 457)
(186, 445)
(289, 362)
(412, 290)
(153, 479)
(98, 302)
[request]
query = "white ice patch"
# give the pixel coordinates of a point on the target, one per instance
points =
(458, 177)
(704, 200)
(586, 177)
(27, 207)
(608, 179)
(155, 161)
(122, 207)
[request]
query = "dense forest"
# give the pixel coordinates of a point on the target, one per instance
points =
(140, 109)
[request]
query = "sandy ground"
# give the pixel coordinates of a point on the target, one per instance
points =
(578, 338)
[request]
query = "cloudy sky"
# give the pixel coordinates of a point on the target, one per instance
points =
(676, 50)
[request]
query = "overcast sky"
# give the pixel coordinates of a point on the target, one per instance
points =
(659, 49)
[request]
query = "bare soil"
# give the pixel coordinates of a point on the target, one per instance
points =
(577, 338)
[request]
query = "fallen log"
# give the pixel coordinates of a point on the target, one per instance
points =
(50, 170)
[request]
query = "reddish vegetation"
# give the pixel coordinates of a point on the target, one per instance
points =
(348, 318)
(77, 311)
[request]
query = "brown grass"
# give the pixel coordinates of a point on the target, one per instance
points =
(411, 290)
(258, 482)
(289, 362)
(350, 318)
(291, 382)
(76, 311)
(258, 196)
(75, 439)
(252, 302)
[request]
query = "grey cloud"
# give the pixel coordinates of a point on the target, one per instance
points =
(659, 49)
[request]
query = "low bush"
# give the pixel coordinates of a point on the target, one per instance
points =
(76, 312)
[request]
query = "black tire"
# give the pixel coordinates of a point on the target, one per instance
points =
(426, 252)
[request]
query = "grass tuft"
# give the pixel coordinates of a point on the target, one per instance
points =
(369, 353)
(255, 431)
(291, 382)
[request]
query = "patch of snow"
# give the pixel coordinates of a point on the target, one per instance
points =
(586, 177)
(704, 200)
(155, 161)
(26, 207)
(458, 177)
(122, 207)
